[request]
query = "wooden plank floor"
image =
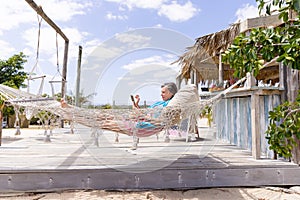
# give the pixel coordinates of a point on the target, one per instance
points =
(73, 161)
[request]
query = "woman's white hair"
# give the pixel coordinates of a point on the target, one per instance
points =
(171, 87)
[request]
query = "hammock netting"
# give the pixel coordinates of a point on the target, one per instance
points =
(132, 122)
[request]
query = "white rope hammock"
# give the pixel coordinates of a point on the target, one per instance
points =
(119, 120)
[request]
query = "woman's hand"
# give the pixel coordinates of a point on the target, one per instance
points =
(136, 102)
(64, 104)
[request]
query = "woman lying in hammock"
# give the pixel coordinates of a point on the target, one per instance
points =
(138, 122)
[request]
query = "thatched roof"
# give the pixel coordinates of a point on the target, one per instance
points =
(203, 55)
(205, 51)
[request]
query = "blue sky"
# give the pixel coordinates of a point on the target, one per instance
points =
(128, 45)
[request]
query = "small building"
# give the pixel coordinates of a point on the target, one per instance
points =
(241, 118)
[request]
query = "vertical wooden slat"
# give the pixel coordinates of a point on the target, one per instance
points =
(221, 71)
(255, 126)
(238, 122)
(293, 82)
(222, 118)
(235, 120)
(263, 110)
(271, 105)
(282, 81)
(230, 128)
(243, 123)
(249, 125)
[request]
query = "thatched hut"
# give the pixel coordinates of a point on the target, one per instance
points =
(241, 118)
(202, 61)
(203, 58)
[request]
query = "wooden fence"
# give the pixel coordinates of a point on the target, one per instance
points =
(242, 118)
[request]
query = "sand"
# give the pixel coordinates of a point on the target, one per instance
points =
(261, 193)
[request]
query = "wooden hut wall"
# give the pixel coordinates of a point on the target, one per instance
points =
(233, 120)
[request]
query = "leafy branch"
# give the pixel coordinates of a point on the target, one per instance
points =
(284, 128)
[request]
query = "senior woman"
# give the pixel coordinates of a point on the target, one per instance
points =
(146, 124)
(168, 90)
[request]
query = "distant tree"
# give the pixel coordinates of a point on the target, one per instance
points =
(12, 75)
(83, 100)
(11, 71)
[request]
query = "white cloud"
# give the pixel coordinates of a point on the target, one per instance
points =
(246, 12)
(6, 50)
(47, 41)
(88, 47)
(48, 49)
(146, 4)
(152, 4)
(111, 16)
(29, 52)
(153, 60)
(133, 41)
(130, 38)
(173, 11)
(64, 10)
(178, 13)
(102, 54)
(16, 12)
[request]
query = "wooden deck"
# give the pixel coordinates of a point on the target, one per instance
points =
(73, 161)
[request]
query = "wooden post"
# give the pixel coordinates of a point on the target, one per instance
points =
(78, 77)
(255, 124)
(283, 81)
(250, 81)
(178, 82)
(64, 71)
(221, 70)
(40, 11)
(293, 82)
(192, 76)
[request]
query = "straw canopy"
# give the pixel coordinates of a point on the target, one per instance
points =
(203, 55)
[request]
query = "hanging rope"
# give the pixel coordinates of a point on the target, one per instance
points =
(57, 60)
(38, 45)
(36, 61)
(57, 69)
(41, 86)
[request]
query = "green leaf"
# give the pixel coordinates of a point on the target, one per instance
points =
(297, 5)
(289, 58)
(298, 135)
(268, 9)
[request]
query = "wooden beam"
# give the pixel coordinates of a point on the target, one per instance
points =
(40, 12)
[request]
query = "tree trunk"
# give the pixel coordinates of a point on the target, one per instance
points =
(24, 123)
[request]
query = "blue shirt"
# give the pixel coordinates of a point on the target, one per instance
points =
(160, 104)
(148, 125)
